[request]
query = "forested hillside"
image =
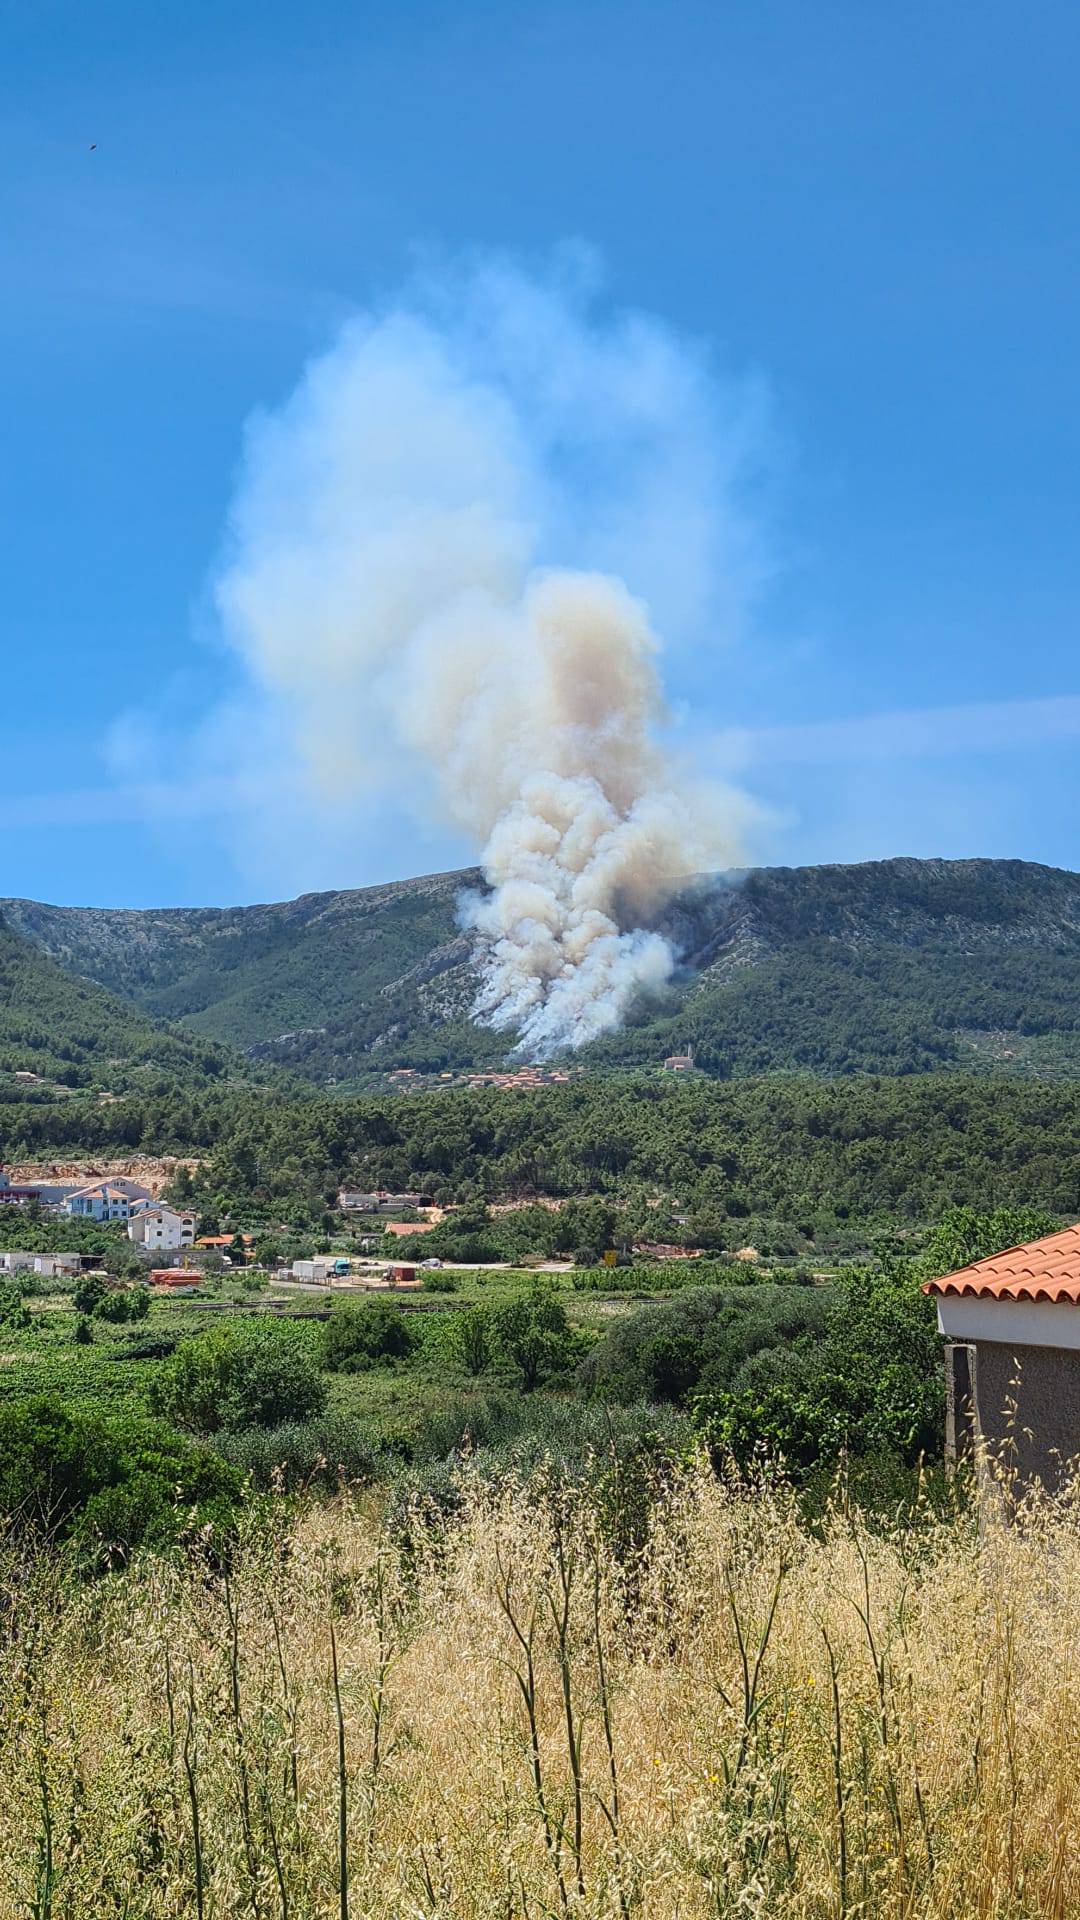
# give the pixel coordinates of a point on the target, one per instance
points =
(273, 976)
(62, 1036)
(898, 966)
(779, 1163)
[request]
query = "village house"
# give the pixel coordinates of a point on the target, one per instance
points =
(132, 1188)
(352, 1202)
(56, 1265)
(160, 1227)
(103, 1202)
(1012, 1359)
(51, 1193)
(52, 1265)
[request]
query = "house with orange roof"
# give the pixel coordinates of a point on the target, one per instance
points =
(1012, 1358)
(105, 1200)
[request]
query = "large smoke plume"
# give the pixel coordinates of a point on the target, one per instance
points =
(396, 587)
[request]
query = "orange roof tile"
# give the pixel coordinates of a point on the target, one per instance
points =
(1046, 1269)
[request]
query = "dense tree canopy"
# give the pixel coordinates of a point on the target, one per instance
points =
(791, 1161)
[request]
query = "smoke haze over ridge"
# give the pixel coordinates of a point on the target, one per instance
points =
(448, 552)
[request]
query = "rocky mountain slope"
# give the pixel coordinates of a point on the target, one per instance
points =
(892, 966)
(61, 1033)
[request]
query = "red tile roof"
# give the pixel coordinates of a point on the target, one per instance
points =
(1043, 1270)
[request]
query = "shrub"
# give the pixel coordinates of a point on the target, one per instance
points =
(472, 1337)
(15, 1315)
(91, 1288)
(365, 1336)
(233, 1378)
(122, 1304)
(320, 1452)
(699, 1340)
(533, 1334)
(872, 1384)
(109, 1484)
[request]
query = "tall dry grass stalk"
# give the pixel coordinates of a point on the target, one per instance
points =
(493, 1718)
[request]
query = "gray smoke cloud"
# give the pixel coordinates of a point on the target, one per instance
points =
(428, 550)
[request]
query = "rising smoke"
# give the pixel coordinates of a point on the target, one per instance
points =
(428, 541)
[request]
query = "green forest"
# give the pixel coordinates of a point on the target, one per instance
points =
(896, 967)
(821, 1159)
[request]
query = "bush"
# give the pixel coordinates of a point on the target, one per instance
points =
(533, 1334)
(371, 1335)
(122, 1304)
(89, 1291)
(109, 1484)
(619, 1457)
(872, 1385)
(699, 1341)
(472, 1338)
(15, 1315)
(300, 1454)
(233, 1378)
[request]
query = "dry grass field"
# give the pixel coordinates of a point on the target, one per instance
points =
(523, 1711)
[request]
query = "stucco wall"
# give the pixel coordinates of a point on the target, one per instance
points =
(1028, 1402)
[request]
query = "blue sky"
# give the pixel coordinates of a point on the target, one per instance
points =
(863, 213)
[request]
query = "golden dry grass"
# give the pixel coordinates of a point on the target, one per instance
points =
(746, 1718)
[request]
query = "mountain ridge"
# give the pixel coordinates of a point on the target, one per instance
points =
(63, 1033)
(894, 966)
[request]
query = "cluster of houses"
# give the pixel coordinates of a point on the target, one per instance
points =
(150, 1223)
(414, 1079)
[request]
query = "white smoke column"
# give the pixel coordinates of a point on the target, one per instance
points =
(595, 838)
(393, 588)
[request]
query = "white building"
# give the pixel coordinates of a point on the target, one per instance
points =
(11, 1262)
(350, 1201)
(105, 1201)
(318, 1271)
(50, 1264)
(109, 1199)
(131, 1187)
(160, 1228)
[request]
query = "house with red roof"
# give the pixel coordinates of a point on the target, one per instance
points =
(1012, 1358)
(105, 1200)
